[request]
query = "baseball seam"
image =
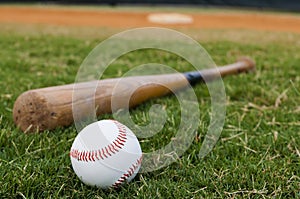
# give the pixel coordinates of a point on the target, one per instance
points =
(128, 173)
(105, 152)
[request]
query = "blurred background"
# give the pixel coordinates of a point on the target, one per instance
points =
(291, 5)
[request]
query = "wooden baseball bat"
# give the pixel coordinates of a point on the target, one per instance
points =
(51, 107)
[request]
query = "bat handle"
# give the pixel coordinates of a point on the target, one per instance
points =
(243, 64)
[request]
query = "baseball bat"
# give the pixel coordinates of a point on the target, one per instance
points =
(47, 108)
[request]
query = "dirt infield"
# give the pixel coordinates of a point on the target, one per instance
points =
(127, 19)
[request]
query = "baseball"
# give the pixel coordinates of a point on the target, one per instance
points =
(106, 154)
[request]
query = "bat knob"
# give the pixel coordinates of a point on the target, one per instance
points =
(250, 64)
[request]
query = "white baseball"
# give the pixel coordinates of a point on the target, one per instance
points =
(106, 154)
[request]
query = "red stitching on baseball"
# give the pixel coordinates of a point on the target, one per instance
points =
(111, 149)
(123, 135)
(89, 157)
(99, 152)
(96, 155)
(116, 144)
(128, 173)
(107, 151)
(82, 155)
(92, 156)
(113, 146)
(86, 155)
(103, 152)
(120, 142)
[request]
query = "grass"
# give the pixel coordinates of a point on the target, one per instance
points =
(257, 155)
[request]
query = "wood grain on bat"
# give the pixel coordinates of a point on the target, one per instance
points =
(51, 107)
(48, 108)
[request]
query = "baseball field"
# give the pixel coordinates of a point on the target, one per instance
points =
(258, 152)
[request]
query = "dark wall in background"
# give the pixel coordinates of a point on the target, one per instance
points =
(268, 4)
